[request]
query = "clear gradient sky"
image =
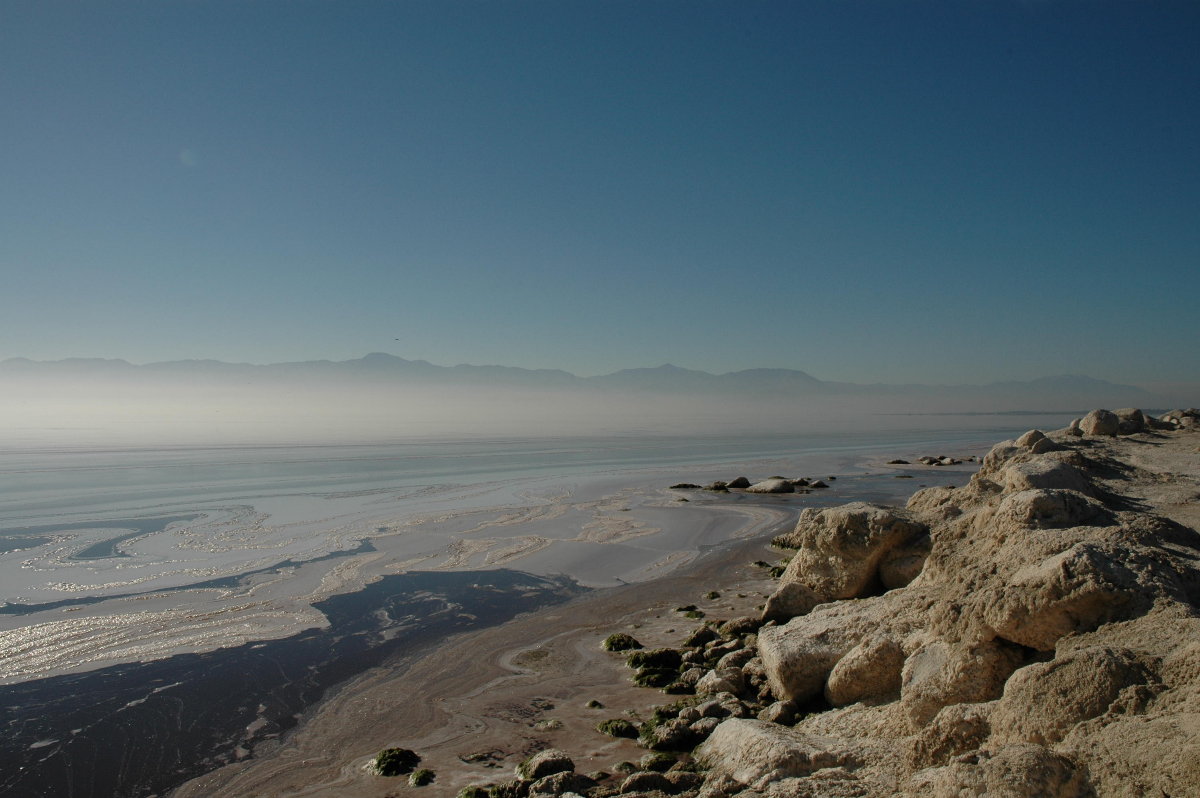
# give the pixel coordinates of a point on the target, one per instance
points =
(868, 191)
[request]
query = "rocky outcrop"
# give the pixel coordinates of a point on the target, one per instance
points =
(1033, 632)
(839, 550)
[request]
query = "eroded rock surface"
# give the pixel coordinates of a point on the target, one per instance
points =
(839, 550)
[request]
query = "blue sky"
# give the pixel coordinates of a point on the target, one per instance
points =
(891, 191)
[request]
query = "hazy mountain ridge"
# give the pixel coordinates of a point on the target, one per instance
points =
(382, 396)
(667, 378)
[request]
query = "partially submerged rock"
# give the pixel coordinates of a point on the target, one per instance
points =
(620, 641)
(774, 485)
(396, 761)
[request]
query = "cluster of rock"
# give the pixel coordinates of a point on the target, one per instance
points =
(1033, 633)
(551, 773)
(943, 460)
(935, 460)
(774, 484)
(1130, 420)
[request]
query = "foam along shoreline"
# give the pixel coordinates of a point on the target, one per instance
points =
(1066, 567)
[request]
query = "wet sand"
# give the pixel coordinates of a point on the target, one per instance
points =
(477, 705)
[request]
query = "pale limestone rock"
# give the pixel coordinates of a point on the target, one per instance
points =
(1148, 740)
(1100, 422)
(670, 735)
(755, 753)
(998, 455)
(788, 601)
(560, 784)
(545, 763)
(1130, 420)
(900, 566)
(682, 780)
(1070, 592)
(704, 727)
(935, 504)
(722, 680)
(954, 730)
(723, 705)
(1030, 438)
(1044, 473)
(1052, 508)
(736, 659)
(1016, 771)
(646, 781)
(1045, 445)
(783, 712)
(940, 674)
(799, 655)
(1040, 551)
(1044, 701)
(839, 549)
(868, 672)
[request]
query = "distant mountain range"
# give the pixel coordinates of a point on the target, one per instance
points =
(379, 368)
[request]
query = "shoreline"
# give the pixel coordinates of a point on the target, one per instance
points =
(252, 742)
(538, 669)
(533, 684)
(542, 666)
